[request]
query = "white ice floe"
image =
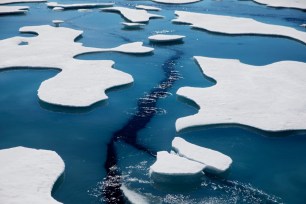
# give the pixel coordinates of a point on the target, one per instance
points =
(270, 97)
(84, 10)
(303, 25)
(28, 175)
(132, 196)
(57, 22)
(81, 82)
(20, 1)
(165, 38)
(13, 9)
(58, 9)
(132, 25)
(215, 161)
(148, 8)
(79, 6)
(236, 25)
(297, 4)
(133, 15)
(176, 1)
(173, 168)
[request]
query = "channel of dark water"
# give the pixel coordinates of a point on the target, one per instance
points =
(146, 110)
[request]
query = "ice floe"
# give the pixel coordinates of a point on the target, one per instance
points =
(13, 9)
(270, 97)
(171, 168)
(133, 15)
(28, 175)
(215, 161)
(176, 1)
(148, 8)
(133, 25)
(58, 9)
(20, 1)
(57, 22)
(236, 25)
(84, 10)
(296, 4)
(165, 38)
(81, 82)
(79, 6)
(132, 196)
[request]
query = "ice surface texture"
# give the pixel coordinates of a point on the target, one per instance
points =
(271, 97)
(28, 175)
(81, 82)
(296, 4)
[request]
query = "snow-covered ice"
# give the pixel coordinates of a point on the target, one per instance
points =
(132, 196)
(270, 97)
(176, 1)
(236, 25)
(13, 9)
(20, 1)
(58, 9)
(165, 38)
(215, 161)
(296, 4)
(81, 82)
(171, 168)
(28, 175)
(133, 15)
(148, 8)
(79, 6)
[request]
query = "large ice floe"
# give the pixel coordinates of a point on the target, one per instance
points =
(176, 1)
(20, 1)
(78, 6)
(296, 4)
(270, 97)
(28, 175)
(165, 38)
(236, 25)
(133, 15)
(215, 161)
(13, 9)
(81, 83)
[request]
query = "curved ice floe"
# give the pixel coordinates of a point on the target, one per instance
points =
(28, 175)
(176, 1)
(215, 161)
(79, 6)
(236, 25)
(148, 8)
(133, 15)
(81, 82)
(171, 168)
(296, 4)
(271, 97)
(165, 38)
(13, 9)
(20, 1)
(133, 197)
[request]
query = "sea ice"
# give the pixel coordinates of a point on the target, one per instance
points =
(20, 1)
(57, 22)
(296, 4)
(215, 161)
(28, 175)
(176, 1)
(133, 15)
(132, 196)
(171, 168)
(270, 97)
(165, 38)
(81, 82)
(133, 25)
(79, 6)
(148, 8)
(13, 9)
(236, 25)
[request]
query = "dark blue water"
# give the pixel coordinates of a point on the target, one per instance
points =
(267, 167)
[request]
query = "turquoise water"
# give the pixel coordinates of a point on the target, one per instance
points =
(267, 167)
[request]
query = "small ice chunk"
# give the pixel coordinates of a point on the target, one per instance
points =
(57, 22)
(165, 38)
(132, 25)
(216, 162)
(171, 168)
(132, 196)
(58, 8)
(148, 8)
(176, 1)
